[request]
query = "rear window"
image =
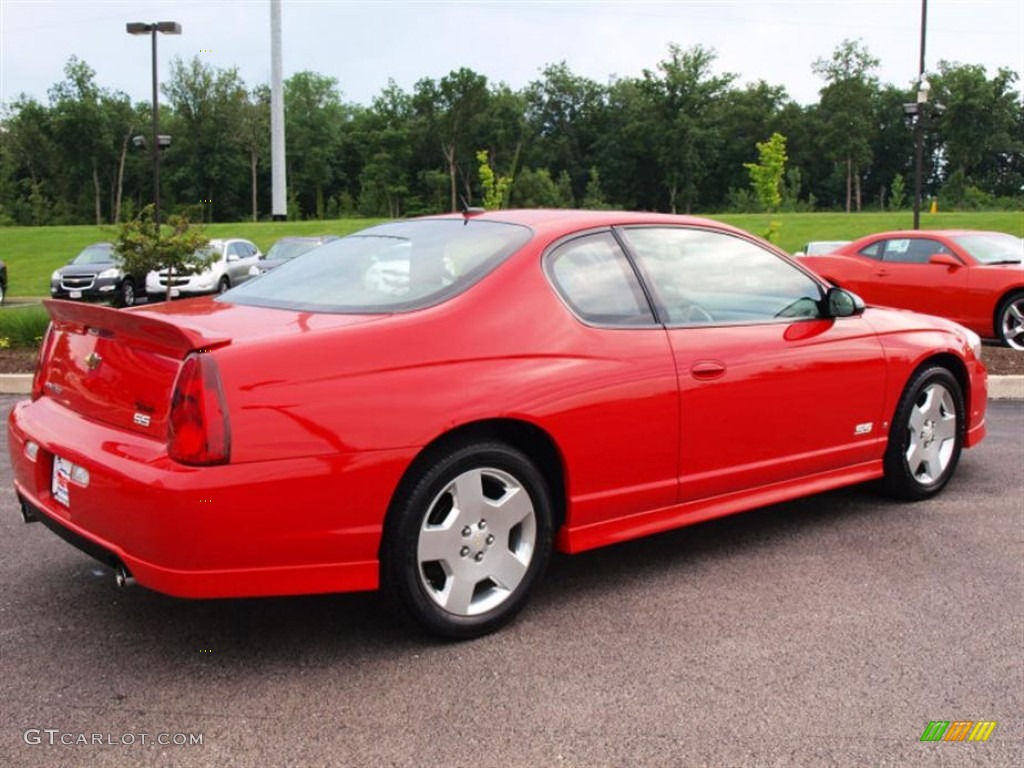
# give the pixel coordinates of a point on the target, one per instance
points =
(393, 267)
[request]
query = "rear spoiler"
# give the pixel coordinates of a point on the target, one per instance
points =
(144, 329)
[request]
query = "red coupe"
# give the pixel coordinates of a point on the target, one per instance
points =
(975, 278)
(434, 405)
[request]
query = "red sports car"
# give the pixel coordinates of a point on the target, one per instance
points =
(975, 278)
(433, 405)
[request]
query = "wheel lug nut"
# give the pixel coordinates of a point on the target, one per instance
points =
(490, 540)
(464, 551)
(479, 557)
(467, 532)
(482, 525)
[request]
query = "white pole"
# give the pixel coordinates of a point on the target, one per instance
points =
(279, 193)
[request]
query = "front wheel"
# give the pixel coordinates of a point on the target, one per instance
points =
(467, 539)
(126, 294)
(927, 435)
(1010, 321)
(223, 285)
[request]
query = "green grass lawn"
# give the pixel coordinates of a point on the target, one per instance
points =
(32, 253)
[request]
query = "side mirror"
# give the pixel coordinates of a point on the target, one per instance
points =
(945, 260)
(843, 303)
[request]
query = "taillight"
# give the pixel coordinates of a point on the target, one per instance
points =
(198, 430)
(39, 378)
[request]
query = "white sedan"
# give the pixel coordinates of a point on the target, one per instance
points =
(230, 266)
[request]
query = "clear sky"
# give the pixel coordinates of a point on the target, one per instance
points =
(363, 44)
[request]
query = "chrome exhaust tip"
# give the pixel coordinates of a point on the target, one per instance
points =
(123, 577)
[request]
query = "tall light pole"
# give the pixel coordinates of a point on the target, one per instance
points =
(923, 88)
(922, 108)
(166, 28)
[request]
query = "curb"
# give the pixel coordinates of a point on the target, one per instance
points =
(999, 387)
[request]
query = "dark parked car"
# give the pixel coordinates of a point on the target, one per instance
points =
(286, 249)
(96, 275)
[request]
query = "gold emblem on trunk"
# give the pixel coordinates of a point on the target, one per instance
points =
(92, 362)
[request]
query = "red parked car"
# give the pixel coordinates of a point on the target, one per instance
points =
(433, 405)
(975, 278)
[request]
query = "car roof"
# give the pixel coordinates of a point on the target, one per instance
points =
(933, 233)
(545, 219)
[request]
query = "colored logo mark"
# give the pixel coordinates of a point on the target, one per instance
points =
(958, 730)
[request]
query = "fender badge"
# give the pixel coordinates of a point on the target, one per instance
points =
(142, 419)
(863, 429)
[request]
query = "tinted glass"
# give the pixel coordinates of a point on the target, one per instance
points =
(992, 247)
(912, 250)
(703, 277)
(597, 282)
(873, 251)
(389, 268)
(95, 254)
(289, 249)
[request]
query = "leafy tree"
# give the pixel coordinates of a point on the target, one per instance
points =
(314, 115)
(206, 163)
(142, 249)
(766, 176)
(496, 188)
(593, 198)
(686, 134)
(980, 127)
(846, 106)
(898, 193)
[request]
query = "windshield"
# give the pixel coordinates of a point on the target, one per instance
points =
(289, 249)
(101, 253)
(992, 247)
(389, 268)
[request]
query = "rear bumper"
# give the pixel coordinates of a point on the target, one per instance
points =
(976, 431)
(295, 526)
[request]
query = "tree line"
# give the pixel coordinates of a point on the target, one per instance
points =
(679, 137)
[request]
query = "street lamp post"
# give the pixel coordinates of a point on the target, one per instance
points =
(166, 28)
(922, 111)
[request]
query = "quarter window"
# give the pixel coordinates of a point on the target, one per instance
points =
(596, 280)
(702, 277)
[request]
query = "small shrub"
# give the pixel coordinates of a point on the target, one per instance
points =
(23, 327)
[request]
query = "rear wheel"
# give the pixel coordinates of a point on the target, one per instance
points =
(223, 285)
(1010, 321)
(927, 435)
(468, 539)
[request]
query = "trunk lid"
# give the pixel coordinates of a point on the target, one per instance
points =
(117, 367)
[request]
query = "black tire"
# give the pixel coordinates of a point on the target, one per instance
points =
(927, 435)
(126, 293)
(1010, 321)
(484, 569)
(223, 285)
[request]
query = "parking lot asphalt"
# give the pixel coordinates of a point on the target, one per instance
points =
(828, 631)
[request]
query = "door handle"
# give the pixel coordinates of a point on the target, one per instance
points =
(882, 273)
(705, 370)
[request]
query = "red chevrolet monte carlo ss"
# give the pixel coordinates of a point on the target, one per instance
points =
(433, 405)
(975, 278)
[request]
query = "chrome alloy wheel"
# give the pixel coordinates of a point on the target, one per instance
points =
(476, 542)
(1011, 322)
(932, 433)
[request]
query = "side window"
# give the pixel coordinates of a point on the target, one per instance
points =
(702, 277)
(235, 249)
(873, 251)
(596, 281)
(912, 250)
